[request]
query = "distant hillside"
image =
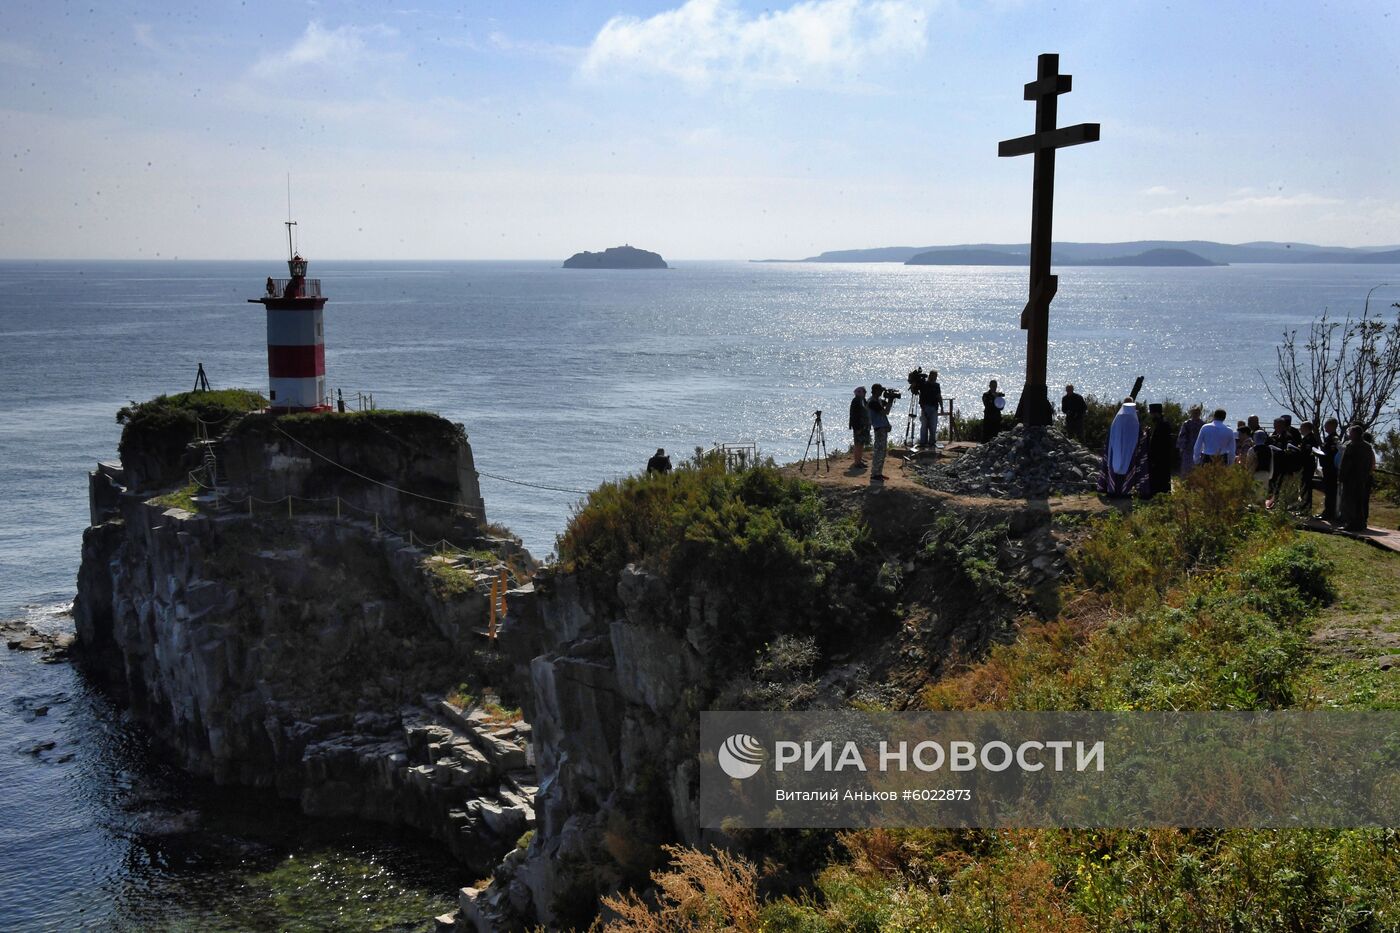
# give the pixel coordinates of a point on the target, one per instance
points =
(968, 257)
(992, 257)
(1067, 253)
(616, 257)
(1154, 257)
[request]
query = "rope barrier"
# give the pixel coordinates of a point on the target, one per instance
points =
(370, 479)
(519, 482)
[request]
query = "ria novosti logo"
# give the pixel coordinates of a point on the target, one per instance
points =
(741, 756)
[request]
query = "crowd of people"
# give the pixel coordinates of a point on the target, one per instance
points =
(1139, 459)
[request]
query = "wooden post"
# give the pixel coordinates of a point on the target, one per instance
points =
(289, 506)
(1035, 408)
(504, 586)
(491, 624)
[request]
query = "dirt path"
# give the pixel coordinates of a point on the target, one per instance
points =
(1358, 637)
(842, 476)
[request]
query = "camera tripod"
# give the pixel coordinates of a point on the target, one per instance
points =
(911, 423)
(816, 445)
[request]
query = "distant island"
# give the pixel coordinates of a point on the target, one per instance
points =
(616, 257)
(988, 257)
(1130, 253)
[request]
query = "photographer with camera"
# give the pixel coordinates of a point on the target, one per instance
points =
(930, 395)
(881, 399)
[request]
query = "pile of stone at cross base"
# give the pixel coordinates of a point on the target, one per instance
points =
(1019, 463)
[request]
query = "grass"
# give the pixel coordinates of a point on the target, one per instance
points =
(1359, 631)
(462, 697)
(182, 498)
(1199, 602)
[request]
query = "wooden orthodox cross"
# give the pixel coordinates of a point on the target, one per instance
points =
(1035, 319)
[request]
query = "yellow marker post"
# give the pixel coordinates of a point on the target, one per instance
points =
(491, 625)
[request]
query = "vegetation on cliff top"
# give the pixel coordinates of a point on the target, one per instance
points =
(759, 538)
(156, 431)
(418, 429)
(1197, 601)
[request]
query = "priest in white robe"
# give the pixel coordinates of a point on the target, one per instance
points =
(1124, 470)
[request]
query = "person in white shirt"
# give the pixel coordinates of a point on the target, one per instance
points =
(1216, 442)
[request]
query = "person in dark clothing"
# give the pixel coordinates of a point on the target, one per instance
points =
(659, 462)
(991, 411)
(1161, 451)
(1074, 408)
(1307, 465)
(859, 423)
(930, 404)
(1358, 461)
(879, 408)
(1286, 456)
(1295, 436)
(1331, 449)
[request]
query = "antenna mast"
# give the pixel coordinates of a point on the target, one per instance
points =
(291, 251)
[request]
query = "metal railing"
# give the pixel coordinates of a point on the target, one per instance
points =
(736, 456)
(292, 288)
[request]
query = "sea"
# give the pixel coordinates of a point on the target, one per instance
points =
(563, 379)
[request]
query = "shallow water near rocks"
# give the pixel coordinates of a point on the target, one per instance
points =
(99, 833)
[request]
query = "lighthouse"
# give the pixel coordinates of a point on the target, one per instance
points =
(296, 348)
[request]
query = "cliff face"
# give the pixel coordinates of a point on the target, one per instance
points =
(329, 655)
(621, 666)
(613, 702)
(311, 654)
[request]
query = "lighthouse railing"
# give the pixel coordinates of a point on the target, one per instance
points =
(293, 288)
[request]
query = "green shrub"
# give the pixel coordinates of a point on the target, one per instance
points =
(756, 538)
(182, 498)
(1133, 559)
(155, 433)
(968, 548)
(449, 581)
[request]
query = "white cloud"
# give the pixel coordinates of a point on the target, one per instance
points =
(707, 41)
(1158, 191)
(318, 46)
(1250, 204)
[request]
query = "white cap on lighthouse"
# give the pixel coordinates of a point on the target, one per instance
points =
(296, 349)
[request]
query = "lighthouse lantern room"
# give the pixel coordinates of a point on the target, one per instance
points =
(296, 350)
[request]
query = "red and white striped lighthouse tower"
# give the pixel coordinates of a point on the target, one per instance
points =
(296, 348)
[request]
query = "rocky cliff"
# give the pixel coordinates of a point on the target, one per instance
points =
(626, 655)
(288, 628)
(278, 621)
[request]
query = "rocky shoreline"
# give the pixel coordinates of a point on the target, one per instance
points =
(54, 647)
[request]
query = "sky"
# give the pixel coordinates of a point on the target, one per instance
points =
(702, 129)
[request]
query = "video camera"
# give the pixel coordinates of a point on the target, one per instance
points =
(890, 394)
(916, 378)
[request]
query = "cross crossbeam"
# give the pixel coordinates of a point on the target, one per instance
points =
(1035, 319)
